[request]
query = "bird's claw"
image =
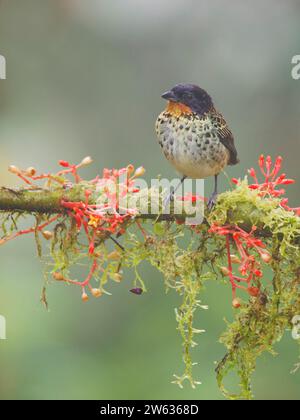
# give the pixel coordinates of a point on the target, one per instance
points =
(169, 199)
(212, 201)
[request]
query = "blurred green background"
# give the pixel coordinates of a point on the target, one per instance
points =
(85, 78)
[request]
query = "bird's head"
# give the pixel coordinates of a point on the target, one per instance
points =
(190, 96)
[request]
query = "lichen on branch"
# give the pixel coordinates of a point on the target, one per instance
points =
(251, 230)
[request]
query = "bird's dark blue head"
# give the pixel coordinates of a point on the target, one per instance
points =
(192, 96)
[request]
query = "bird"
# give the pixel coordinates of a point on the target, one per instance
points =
(194, 136)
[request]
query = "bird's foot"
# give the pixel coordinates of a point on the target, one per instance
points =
(169, 199)
(212, 201)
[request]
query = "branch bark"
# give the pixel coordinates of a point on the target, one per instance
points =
(38, 200)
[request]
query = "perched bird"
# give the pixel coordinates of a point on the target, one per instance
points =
(195, 137)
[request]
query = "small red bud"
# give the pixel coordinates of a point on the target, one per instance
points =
(84, 297)
(30, 171)
(288, 182)
(86, 161)
(58, 276)
(261, 160)
(284, 202)
(258, 273)
(47, 234)
(14, 169)
(235, 259)
(252, 172)
(236, 303)
(116, 277)
(267, 258)
(139, 172)
(64, 163)
(269, 162)
(96, 293)
(253, 291)
(225, 271)
(130, 169)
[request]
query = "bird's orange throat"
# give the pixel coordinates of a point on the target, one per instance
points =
(177, 109)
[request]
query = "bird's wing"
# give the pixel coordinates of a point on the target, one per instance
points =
(225, 136)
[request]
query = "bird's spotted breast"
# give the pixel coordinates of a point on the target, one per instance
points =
(191, 144)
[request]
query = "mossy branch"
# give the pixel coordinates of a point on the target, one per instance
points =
(48, 201)
(38, 200)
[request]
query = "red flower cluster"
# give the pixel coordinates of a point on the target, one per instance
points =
(106, 216)
(249, 248)
(272, 180)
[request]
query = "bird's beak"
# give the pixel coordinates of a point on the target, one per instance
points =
(169, 96)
